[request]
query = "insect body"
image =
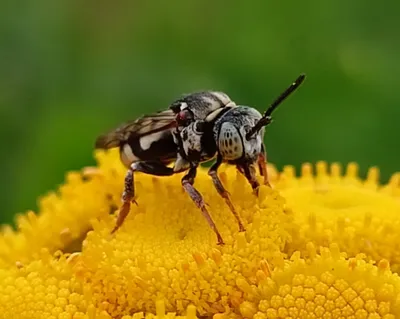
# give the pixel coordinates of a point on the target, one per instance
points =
(238, 136)
(152, 142)
(196, 128)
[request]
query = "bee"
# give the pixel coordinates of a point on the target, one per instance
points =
(152, 142)
(194, 129)
(237, 137)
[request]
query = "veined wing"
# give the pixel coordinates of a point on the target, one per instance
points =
(145, 125)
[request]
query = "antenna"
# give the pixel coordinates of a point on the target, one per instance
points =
(266, 119)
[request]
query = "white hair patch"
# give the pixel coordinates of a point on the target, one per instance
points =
(183, 106)
(146, 141)
(127, 156)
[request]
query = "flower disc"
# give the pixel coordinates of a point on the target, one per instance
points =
(360, 215)
(166, 251)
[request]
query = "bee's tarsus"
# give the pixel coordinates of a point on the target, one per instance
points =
(250, 173)
(220, 241)
(122, 214)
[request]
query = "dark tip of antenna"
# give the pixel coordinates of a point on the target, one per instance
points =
(300, 79)
(265, 120)
(297, 83)
(285, 94)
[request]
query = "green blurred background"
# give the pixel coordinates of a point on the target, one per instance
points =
(70, 70)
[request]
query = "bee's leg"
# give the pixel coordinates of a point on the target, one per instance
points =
(128, 196)
(262, 165)
(187, 183)
(213, 172)
(240, 169)
(250, 173)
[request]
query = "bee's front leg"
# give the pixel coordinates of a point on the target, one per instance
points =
(249, 172)
(128, 196)
(262, 165)
(187, 183)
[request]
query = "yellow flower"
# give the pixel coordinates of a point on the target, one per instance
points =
(62, 221)
(329, 207)
(166, 250)
(164, 261)
(47, 289)
(322, 286)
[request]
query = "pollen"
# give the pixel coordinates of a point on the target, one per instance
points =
(360, 215)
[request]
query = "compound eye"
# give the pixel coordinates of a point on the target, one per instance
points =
(184, 117)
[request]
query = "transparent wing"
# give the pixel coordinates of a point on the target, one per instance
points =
(142, 126)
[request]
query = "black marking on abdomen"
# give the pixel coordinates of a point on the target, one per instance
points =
(163, 149)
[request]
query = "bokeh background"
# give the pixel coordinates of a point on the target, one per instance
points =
(70, 70)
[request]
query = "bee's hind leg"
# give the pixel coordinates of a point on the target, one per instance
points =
(128, 196)
(213, 172)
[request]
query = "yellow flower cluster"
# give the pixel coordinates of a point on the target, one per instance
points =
(45, 288)
(315, 246)
(168, 252)
(359, 215)
(329, 286)
(63, 220)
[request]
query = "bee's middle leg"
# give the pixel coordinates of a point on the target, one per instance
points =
(128, 195)
(187, 183)
(213, 172)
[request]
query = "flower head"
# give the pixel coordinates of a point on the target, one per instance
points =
(166, 251)
(326, 286)
(164, 262)
(47, 288)
(63, 219)
(359, 215)
(44, 288)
